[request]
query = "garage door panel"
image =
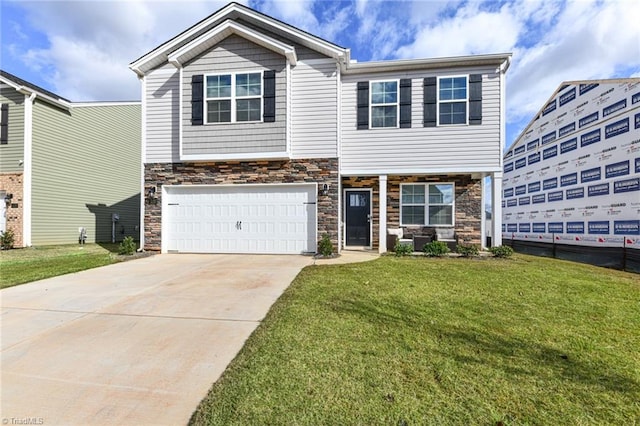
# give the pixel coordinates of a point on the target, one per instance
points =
(241, 219)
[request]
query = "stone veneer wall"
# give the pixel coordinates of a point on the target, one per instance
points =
(468, 205)
(320, 171)
(11, 183)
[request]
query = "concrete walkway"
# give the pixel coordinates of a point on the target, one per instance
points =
(135, 343)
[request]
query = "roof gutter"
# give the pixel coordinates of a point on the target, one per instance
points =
(502, 59)
(33, 94)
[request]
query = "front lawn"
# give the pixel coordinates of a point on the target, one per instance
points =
(413, 341)
(24, 265)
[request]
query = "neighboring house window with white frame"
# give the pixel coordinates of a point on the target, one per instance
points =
(452, 100)
(384, 103)
(430, 204)
(233, 98)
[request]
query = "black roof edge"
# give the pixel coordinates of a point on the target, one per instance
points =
(21, 82)
(242, 6)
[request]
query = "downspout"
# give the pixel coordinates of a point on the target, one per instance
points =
(339, 150)
(496, 178)
(27, 180)
(143, 155)
(288, 109)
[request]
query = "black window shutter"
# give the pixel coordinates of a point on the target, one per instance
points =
(269, 110)
(430, 101)
(363, 105)
(197, 104)
(4, 127)
(475, 99)
(405, 103)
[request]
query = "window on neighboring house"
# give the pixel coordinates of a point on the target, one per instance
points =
(233, 98)
(452, 100)
(384, 104)
(4, 124)
(429, 204)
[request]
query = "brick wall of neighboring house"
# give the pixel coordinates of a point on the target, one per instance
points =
(318, 171)
(468, 205)
(11, 183)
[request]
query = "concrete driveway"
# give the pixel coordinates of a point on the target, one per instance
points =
(138, 342)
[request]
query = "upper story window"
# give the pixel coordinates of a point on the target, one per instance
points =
(429, 204)
(233, 98)
(452, 100)
(384, 104)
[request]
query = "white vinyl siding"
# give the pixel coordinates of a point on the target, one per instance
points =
(161, 119)
(429, 149)
(314, 104)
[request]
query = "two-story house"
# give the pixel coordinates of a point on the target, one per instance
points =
(259, 137)
(67, 166)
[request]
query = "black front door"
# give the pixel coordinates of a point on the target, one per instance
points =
(358, 223)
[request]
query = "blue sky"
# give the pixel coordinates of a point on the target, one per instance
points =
(81, 49)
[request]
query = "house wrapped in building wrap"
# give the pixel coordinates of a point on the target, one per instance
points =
(571, 183)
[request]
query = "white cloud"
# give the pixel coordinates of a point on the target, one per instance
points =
(591, 40)
(90, 44)
(297, 13)
(470, 31)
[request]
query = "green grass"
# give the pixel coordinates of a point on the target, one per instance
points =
(19, 266)
(414, 341)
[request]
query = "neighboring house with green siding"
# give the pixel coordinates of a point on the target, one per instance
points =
(66, 166)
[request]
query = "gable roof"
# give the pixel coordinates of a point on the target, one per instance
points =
(222, 31)
(27, 88)
(560, 88)
(232, 12)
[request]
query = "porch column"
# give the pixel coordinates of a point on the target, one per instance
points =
(382, 234)
(483, 214)
(496, 209)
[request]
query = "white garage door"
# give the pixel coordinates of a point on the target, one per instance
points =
(240, 219)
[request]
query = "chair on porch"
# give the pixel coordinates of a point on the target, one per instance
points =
(447, 235)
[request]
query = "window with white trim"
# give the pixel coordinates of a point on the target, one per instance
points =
(384, 103)
(452, 100)
(427, 204)
(232, 98)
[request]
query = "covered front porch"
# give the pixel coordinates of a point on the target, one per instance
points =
(375, 209)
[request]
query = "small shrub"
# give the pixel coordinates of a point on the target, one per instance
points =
(501, 251)
(403, 249)
(127, 246)
(7, 239)
(436, 248)
(325, 246)
(468, 250)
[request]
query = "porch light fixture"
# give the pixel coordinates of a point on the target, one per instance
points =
(8, 198)
(325, 189)
(151, 196)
